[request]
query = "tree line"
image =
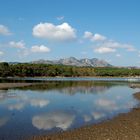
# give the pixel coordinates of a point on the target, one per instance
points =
(49, 70)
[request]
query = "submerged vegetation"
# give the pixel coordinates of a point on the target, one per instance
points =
(32, 70)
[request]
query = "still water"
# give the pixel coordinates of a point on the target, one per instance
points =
(54, 106)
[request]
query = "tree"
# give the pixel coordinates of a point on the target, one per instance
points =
(5, 70)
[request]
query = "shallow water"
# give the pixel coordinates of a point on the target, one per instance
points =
(61, 105)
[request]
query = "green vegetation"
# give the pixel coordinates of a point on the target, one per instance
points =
(113, 71)
(32, 70)
(5, 70)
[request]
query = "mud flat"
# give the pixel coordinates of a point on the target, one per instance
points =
(13, 85)
(126, 126)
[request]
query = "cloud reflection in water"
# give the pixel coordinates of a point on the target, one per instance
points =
(51, 120)
(3, 120)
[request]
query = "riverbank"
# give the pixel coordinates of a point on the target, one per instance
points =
(126, 126)
(18, 77)
(14, 85)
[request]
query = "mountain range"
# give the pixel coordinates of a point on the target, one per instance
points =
(72, 61)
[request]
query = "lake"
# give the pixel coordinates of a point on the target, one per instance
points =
(60, 104)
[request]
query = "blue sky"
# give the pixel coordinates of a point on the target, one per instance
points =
(53, 29)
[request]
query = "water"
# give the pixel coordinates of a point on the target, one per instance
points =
(27, 79)
(61, 105)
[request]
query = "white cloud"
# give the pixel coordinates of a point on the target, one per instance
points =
(107, 104)
(40, 49)
(114, 44)
(104, 102)
(88, 35)
(130, 48)
(24, 100)
(1, 53)
(98, 115)
(39, 102)
(54, 119)
(98, 37)
(80, 41)
(17, 106)
(103, 45)
(62, 32)
(109, 46)
(138, 53)
(4, 30)
(60, 18)
(19, 44)
(87, 118)
(118, 55)
(94, 37)
(104, 50)
(23, 52)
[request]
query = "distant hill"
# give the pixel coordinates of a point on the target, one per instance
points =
(72, 61)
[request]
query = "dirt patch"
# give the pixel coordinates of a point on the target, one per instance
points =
(13, 85)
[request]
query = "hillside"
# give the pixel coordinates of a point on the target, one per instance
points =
(72, 61)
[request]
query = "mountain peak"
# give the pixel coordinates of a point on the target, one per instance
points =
(72, 61)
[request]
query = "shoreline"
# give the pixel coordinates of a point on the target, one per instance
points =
(125, 126)
(72, 77)
(14, 85)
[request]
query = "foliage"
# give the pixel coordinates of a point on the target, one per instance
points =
(47, 70)
(5, 70)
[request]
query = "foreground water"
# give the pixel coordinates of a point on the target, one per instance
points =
(61, 105)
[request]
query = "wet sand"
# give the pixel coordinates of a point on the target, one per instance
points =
(126, 126)
(13, 85)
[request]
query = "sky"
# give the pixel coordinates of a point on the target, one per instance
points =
(53, 29)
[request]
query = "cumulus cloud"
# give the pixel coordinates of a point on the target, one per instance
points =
(1, 53)
(19, 44)
(88, 35)
(104, 45)
(4, 30)
(51, 120)
(23, 52)
(40, 49)
(39, 102)
(17, 106)
(94, 37)
(24, 100)
(62, 32)
(98, 115)
(112, 46)
(60, 18)
(87, 118)
(4, 94)
(107, 104)
(104, 102)
(139, 54)
(104, 50)
(118, 55)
